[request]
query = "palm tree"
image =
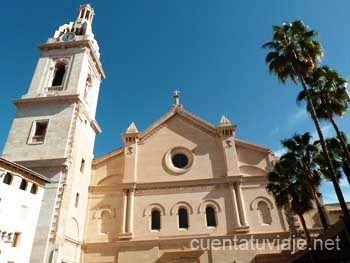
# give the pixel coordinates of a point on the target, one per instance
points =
(294, 54)
(291, 190)
(338, 159)
(330, 99)
(304, 154)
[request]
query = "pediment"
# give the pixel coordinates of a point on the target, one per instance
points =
(178, 113)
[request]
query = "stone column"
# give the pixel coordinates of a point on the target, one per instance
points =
(130, 214)
(235, 214)
(124, 216)
(241, 207)
(84, 13)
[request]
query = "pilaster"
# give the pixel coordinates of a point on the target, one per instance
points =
(128, 214)
(130, 138)
(226, 133)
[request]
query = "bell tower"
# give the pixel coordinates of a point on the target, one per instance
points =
(54, 133)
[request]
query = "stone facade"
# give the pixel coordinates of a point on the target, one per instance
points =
(54, 131)
(180, 179)
(224, 173)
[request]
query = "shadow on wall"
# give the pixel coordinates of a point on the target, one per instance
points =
(316, 220)
(104, 216)
(104, 213)
(223, 192)
(181, 257)
(37, 110)
(191, 134)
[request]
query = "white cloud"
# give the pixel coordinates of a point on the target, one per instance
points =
(327, 131)
(299, 115)
(328, 192)
(279, 152)
(274, 131)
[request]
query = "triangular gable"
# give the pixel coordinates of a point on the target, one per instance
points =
(177, 110)
(208, 127)
(108, 156)
(252, 146)
(191, 118)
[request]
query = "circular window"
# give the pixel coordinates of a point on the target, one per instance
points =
(179, 160)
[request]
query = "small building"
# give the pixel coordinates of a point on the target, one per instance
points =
(334, 212)
(21, 195)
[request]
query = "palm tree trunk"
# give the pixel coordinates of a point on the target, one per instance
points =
(320, 208)
(334, 180)
(342, 143)
(319, 205)
(346, 169)
(308, 239)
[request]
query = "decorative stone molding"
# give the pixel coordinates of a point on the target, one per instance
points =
(212, 203)
(254, 203)
(175, 208)
(151, 133)
(148, 210)
(168, 158)
(263, 206)
(106, 208)
(171, 190)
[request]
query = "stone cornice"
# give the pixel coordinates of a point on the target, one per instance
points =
(48, 99)
(95, 126)
(79, 44)
(198, 185)
(175, 241)
(93, 123)
(182, 183)
(254, 179)
(45, 163)
(74, 98)
(189, 117)
(252, 146)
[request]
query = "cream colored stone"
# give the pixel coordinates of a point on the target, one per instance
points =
(227, 173)
(111, 219)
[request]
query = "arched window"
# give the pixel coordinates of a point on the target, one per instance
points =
(8, 179)
(60, 71)
(23, 185)
(34, 189)
(88, 88)
(183, 218)
(106, 222)
(264, 213)
(210, 216)
(155, 219)
(87, 14)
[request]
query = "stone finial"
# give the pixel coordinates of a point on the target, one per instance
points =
(132, 128)
(226, 128)
(225, 121)
(177, 97)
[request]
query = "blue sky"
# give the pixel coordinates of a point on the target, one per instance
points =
(209, 50)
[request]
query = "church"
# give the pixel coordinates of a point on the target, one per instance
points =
(171, 186)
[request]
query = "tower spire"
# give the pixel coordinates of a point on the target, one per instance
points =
(86, 13)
